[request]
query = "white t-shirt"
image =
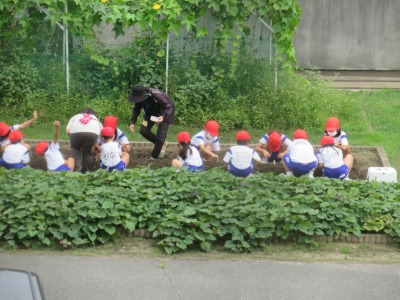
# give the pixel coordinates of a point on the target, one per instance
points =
(241, 157)
(193, 159)
(7, 141)
(342, 138)
(330, 156)
(301, 151)
(121, 138)
(204, 138)
(15, 154)
(76, 124)
(54, 157)
(110, 154)
(285, 140)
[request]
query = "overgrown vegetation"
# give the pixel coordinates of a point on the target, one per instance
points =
(184, 210)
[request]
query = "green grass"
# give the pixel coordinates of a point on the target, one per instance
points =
(371, 120)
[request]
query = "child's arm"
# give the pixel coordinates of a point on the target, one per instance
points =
(57, 132)
(29, 122)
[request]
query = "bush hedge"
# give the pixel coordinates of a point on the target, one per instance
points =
(184, 209)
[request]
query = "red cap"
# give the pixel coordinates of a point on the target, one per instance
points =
(41, 148)
(15, 135)
(327, 140)
(183, 137)
(274, 141)
(332, 124)
(300, 134)
(107, 132)
(243, 136)
(4, 129)
(111, 121)
(212, 127)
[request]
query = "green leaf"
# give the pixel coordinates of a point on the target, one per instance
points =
(107, 205)
(205, 246)
(131, 225)
(110, 229)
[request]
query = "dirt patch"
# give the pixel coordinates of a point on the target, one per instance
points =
(364, 157)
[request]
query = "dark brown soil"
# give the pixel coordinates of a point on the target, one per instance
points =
(364, 157)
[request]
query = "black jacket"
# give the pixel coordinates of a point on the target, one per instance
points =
(158, 104)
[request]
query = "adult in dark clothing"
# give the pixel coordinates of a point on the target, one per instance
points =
(158, 108)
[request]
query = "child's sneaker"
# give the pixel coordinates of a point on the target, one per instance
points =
(162, 152)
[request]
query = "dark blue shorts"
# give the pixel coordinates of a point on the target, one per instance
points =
(299, 168)
(340, 173)
(121, 166)
(63, 167)
(11, 166)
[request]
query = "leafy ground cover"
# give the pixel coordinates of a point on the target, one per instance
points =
(184, 211)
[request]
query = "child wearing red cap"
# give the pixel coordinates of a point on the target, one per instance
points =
(119, 136)
(273, 146)
(54, 158)
(332, 128)
(206, 141)
(240, 158)
(331, 161)
(112, 157)
(300, 158)
(5, 130)
(188, 156)
(16, 154)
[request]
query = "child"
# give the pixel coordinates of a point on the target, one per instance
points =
(188, 156)
(300, 158)
(16, 154)
(52, 154)
(273, 146)
(206, 141)
(241, 158)
(112, 157)
(119, 137)
(332, 128)
(330, 160)
(5, 130)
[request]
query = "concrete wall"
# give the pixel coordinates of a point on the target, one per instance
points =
(349, 34)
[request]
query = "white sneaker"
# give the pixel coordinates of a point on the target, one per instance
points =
(162, 152)
(152, 158)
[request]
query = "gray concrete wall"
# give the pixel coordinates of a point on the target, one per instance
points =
(349, 34)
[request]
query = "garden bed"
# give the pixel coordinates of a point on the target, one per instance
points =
(364, 157)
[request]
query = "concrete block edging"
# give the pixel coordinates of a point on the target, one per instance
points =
(350, 238)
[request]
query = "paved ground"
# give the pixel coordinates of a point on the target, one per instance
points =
(359, 80)
(105, 278)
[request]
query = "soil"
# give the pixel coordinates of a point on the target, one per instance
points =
(364, 157)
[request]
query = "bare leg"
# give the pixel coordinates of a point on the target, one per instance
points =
(70, 162)
(176, 163)
(348, 161)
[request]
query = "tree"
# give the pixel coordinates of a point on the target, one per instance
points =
(159, 16)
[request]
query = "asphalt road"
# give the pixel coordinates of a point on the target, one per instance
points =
(104, 278)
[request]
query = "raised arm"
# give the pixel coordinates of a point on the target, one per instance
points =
(57, 132)
(29, 122)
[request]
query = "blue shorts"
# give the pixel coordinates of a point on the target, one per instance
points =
(193, 168)
(340, 173)
(63, 167)
(121, 166)
(299, 168)
(240, 173)
(11, 166)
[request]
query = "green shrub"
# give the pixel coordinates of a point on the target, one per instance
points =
(185, 209)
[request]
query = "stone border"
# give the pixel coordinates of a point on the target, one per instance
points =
(351, 238)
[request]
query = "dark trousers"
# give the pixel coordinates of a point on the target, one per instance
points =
(81, 148)
(157, 139)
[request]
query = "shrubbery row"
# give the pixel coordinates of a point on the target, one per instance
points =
(184, 209)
